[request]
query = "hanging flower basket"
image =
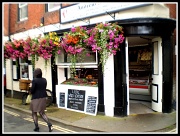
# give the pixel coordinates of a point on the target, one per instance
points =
(73, 43)
(106, 40)
(24, 84)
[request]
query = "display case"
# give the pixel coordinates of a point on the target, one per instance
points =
(140, 84)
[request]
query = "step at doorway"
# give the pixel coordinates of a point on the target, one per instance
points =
(140, 107)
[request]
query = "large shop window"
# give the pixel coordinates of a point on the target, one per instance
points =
(86, 65)
(84, 59)
(53, 7)
(23, 11)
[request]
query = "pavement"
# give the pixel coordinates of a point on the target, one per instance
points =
(135, 123)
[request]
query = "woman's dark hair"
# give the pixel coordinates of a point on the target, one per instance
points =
(37, 73)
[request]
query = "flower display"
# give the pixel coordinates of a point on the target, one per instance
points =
(15, 49)
(31, 46)
(73, 44)
(73, 41)
(49, 46)
(106, 39)
(103, 38)
(8, 50)
(44, 47)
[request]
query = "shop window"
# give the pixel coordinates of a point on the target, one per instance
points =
(26, 69)
(23, 11)
(85, 72)
(86, 58)
(15, 69)
(53, 7)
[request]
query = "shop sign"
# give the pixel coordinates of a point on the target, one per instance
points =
(86, 10)
(91, 107)
(76, 99)
(62, 99)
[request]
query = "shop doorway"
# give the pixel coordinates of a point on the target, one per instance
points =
(140, 66)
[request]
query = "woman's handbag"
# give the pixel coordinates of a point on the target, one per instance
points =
(28, 100)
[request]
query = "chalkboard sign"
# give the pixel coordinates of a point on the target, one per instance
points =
(76, 99)
(91, 104)
(62, 99)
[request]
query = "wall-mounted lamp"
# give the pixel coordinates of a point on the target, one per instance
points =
(42, 21)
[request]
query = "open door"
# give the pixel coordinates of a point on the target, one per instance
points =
(157, 74)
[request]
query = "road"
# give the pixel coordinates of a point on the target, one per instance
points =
(18, 122)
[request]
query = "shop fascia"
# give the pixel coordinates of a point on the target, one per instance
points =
(85, 10)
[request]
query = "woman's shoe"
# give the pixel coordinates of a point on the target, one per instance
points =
(36, 129)
(50, 127)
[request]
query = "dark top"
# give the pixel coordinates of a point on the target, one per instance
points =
(38, 89)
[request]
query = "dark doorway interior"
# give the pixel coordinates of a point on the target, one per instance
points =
(140, 71)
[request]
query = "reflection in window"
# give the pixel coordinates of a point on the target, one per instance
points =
(24, 71)
(84, 72)
(87, 57)
(24, 68)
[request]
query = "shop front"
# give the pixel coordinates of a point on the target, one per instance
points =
(141, 70)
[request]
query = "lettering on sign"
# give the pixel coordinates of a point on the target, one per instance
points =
(62, 99)
(76, 99)
(91, 104)
(87, 10)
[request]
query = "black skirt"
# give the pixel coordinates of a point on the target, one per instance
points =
(38, 105)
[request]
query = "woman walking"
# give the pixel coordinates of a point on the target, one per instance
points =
(38, 102)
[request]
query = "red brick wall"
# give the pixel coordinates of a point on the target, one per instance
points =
(5, 27)
(51, 17)
(172, 8)
(35, 13)
(67, 4)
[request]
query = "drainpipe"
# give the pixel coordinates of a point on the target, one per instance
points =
(11, 59)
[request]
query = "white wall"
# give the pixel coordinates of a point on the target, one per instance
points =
(109, 86)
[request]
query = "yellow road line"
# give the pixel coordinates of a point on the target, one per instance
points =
(54, 126)
(12, 113)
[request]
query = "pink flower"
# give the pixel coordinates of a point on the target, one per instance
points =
(73, 29)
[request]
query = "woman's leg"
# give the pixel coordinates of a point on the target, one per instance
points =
(45, 118)
(35, 119)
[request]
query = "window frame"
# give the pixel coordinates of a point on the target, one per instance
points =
(78, 64)
(21, 64)
(20, 6)
(54, 8)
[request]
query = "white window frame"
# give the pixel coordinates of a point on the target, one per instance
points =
(21, 66)
(79, 65)
(54, 8)
(22, 5)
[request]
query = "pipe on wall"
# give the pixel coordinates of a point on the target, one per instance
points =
(9, 9)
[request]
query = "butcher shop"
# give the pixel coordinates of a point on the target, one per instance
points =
(139, 75)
